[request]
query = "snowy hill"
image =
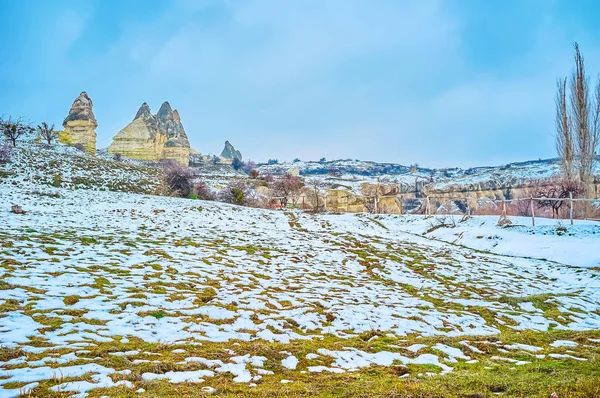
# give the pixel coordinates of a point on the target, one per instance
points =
(352, 172)
(62, 166)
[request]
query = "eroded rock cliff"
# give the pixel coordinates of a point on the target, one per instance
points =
(153, 137)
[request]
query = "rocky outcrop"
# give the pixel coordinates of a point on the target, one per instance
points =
(153, 137)
(80, 125)
(230, 153)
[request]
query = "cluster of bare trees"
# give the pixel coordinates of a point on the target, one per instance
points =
(15, 129)
(578, 125)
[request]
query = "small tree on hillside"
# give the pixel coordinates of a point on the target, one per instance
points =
(317, 186)
(47, 133)
(13, 130)
(288, 188)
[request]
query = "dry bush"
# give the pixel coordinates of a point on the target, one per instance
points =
(202, 191)
(5, 153)
(238, 192)
(177, 178)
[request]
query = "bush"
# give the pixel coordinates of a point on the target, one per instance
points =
(118, 157)
(178, 179)
(253, 173)
(272, 161)
(237, 193)
(202, 191)
(249, 166)
(5, 153)
(79, 146)
(237, 164)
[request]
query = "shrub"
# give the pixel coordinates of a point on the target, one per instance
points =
(272, 161)
(249, 166)
(237, 192)
(237, 164)
(253, 173)
(202, 191)
(5, 153)
(118, 157)
(178, 179)
(79, 146)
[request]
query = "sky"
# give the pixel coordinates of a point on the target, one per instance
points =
(439, 83)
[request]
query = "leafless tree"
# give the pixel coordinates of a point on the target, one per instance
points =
(288, 188)
(578, 126)
(374, 192)
(317, 186)
(13, 130)
(548, 191)
(47, 133)
(565, 144)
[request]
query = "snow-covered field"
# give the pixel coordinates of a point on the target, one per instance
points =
(120, 291)
(94, 268)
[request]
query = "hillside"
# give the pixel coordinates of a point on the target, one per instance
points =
(353, 172)
(121, 294)
(63, 166)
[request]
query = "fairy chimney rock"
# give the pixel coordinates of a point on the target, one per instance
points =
(80, 124)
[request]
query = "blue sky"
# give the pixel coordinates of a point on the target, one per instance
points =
(441, 83)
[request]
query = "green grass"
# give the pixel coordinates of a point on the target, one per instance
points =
(566, 377)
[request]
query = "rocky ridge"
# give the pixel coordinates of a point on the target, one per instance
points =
(154, 137)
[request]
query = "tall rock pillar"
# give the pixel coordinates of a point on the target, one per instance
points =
(80, 124)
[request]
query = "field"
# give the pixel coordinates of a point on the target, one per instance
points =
(125, 294)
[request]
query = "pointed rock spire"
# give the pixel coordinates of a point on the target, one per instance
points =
(81, 110)
(165, 112)
(143, 112)
(229, 152)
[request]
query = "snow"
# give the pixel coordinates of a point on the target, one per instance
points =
(180, 377)
(173, 272)
(290, 362)
(563, 343)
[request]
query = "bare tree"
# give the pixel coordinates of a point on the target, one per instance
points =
(578, 125)
(585, 120)
(288, 188)
(47, 133)
(374, 192)
(13, 130)
(316, 186)
(565, 144)
(549, 191)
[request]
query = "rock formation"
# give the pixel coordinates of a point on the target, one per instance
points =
(80, 125)
(153, 137)
(229, 153)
